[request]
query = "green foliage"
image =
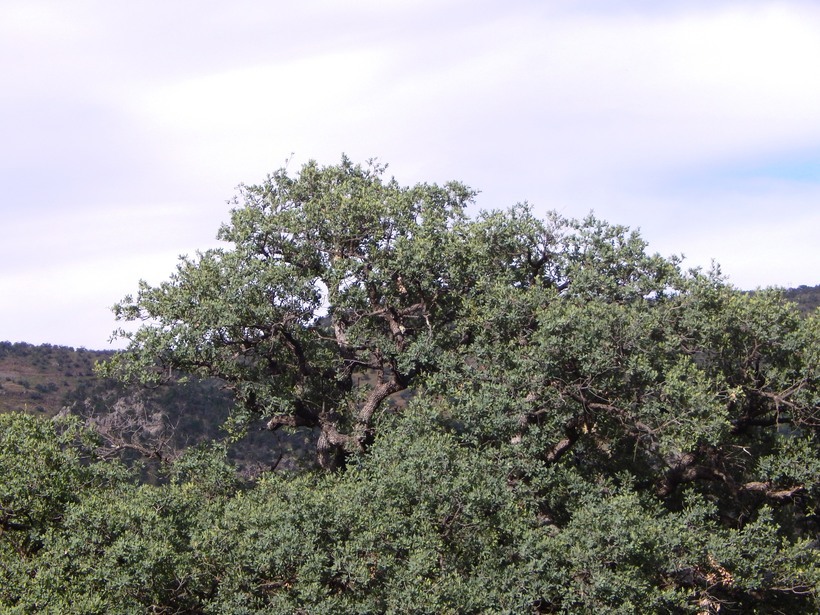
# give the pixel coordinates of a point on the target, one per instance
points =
(591, 428)
(250, 316)
(46, 466)
(419, 526)
(94, 540)
(42, 464)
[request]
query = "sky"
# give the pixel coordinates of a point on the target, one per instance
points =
(126, 127)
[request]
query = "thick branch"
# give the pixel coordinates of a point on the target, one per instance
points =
(330, 447)
(291, 342)
(571, 434)
(742, 424)
(375, 398)
(288, 420)
(6, 524)
(685, 471)
(778, 495)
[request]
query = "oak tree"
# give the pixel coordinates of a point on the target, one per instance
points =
(592, 427)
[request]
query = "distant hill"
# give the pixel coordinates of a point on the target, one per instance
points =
(807, 297)
(48, 380)
(37, 378)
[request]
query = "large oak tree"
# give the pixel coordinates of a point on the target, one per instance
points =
(592, 427)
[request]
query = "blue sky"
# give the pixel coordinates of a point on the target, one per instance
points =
(126, 127)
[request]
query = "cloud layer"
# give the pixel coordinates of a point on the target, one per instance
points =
(127, 127)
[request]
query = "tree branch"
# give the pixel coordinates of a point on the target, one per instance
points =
(778, 495)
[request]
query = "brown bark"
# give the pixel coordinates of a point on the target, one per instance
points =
(778, 495)
(331, 446)
(687, 470)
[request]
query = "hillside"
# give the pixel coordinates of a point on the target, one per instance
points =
(807, 297)
(38, 378)
(155, 423)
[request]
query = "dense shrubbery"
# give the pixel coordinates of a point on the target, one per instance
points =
(592, 429)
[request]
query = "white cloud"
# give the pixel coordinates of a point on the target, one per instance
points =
(69, 304)
(622, 93)
(127, 127)
(762, 233)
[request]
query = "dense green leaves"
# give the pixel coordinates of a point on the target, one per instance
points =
(586, 427)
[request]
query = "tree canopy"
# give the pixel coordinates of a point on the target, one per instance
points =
(510, 414)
